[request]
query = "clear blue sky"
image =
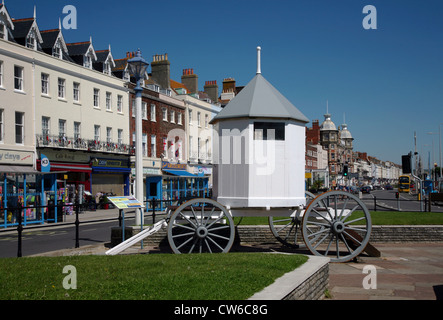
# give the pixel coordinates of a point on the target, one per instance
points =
(388, 82)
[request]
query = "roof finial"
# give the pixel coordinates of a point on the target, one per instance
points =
(258, 60)
(59, 23)
(35, 12)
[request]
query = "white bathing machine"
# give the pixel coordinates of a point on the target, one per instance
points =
(259, 152)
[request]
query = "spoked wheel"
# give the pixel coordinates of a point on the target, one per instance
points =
(286, 229)
(337, 225)
(201, 225)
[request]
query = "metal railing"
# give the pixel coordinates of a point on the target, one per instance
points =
(62, 141)
(156, 207)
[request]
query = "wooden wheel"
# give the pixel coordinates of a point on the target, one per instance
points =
(286, 229)
(336, 224)
(201, 225)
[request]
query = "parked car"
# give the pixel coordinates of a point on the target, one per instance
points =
(353, 189)
(388, 187)
(365, 189)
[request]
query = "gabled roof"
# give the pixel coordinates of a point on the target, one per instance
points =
(80, 48)
(50, 38)
(103, 55)
(22, 27)
(177, 85)
(259, 99)
(4, 11)
(120, 65)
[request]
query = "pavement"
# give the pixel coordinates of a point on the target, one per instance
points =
(405, 271)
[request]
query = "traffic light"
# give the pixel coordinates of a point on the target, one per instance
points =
(406, 163)
(345, 170)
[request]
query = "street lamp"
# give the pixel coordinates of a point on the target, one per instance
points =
(138, 67)
(433, 158)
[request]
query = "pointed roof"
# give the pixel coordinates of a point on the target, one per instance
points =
(7, 18)
(259, 99)
(22, 28)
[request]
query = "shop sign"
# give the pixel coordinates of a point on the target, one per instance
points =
(202, 170)
(64, 156)
(110, 163)
(148, 171)
(175, 166)
(16, 157)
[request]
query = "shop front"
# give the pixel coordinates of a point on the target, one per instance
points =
(23, 186)
(73, 170)
(175, 183)
(110, 176)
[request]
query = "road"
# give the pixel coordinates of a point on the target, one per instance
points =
(39, 240)
(386, 201)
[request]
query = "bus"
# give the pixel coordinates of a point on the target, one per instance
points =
(404, 183)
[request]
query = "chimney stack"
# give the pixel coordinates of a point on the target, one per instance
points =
(161, 70)
(211, 89)
(190, 80)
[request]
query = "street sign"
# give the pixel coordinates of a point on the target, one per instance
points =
(129, 202)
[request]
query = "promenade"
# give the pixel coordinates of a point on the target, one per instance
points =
(405, 271)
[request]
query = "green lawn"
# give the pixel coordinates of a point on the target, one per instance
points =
(378, 218)
(234, 276)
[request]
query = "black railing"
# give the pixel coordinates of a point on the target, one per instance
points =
(19, 212)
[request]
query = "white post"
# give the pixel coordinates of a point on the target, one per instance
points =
(258, 60)
(138, 152)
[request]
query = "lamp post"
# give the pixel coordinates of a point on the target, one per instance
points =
(138, 68)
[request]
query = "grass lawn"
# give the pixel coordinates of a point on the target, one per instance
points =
(377, 217)
(230, 276)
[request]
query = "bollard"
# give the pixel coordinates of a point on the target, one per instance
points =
(77, 224)
(153, 210)
(19, 230)
(375, 203)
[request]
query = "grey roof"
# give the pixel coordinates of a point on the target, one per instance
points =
(328, 125)
(345, 133)
(259, 99)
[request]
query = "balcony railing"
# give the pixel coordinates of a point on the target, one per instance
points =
(55, 141)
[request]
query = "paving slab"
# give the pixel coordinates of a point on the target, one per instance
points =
(409, 271)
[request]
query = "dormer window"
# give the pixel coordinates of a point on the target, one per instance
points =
(30, 41)
(57, 51)
(126, 76)
(2, 31)
(87, 61)
(107, 68)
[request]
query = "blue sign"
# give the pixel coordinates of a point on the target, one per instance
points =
(45, 164)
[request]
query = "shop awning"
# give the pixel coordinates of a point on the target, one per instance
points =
(111, 169)
(19, 170)
(180, 173)
(70, 167)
